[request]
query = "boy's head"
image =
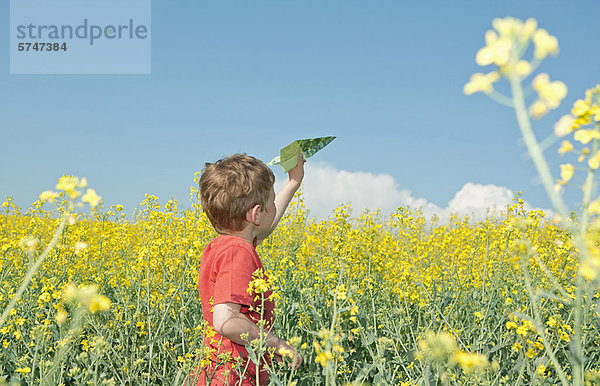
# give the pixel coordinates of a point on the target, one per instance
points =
(231, 186)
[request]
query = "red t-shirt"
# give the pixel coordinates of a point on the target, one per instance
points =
(226, 269)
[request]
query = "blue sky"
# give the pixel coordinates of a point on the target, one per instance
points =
(385, 77)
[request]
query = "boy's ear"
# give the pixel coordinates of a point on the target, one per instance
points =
(253, 215)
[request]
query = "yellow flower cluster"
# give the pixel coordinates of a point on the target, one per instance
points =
(504, 47)
(471, 362)
(550, 94)
(71, 186)
(87, 296)
(328, 348)
(441, 349)
(391, 279)
(584, 121)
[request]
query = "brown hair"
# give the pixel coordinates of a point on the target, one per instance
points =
(231, 186)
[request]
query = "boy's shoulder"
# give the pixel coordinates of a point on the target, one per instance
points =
(224, 242)
(232, 252)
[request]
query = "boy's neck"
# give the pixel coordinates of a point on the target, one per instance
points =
(247, 234)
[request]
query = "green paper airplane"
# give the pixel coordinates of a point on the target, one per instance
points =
(288, 156)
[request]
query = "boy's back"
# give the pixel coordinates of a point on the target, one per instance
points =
(226, 268)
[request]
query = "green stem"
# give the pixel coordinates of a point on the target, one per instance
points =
(557, 286)
(64, 346)
(501, 98)
(543, 170)
(31, 272)
(533, 147)
(538, 323)
(578, 364)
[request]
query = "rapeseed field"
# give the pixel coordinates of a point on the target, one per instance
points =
(365, 298)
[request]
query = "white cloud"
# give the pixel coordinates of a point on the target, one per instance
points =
(326, 187)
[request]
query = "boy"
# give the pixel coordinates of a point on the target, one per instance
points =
(237, 196)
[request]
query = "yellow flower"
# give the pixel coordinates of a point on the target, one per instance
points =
(544, 44)
(69, 184)
(556, 219)
(87, 296)
(80, 246)
(99, 303)
(564, 125)
(584, 153)
(481, 82)
(510, 325)
(594, 206)
(91, 198)
(508, 26)
(590, 267)
(341, 293)
(517, 346)
(565, 147)
(496, 51)
(285, 352)
(490, 37)
(531, 352)
(61, 316)
(584, 136)
(521, 330)
(541, 370)
(48, 195)
(70, 293)
(594, 161)
(527, 29)
(580, 107)
(566, 172)
(258, 286)
(551, 93)
(324, 358)
(23, 370)
(44, 297)
(29, 244)
(523, 68)
(538, 109)
(437, 346)
(471, 362)
(295, 341)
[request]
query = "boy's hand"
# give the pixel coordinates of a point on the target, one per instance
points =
(296, 173)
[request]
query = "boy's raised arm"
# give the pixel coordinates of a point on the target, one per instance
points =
(283, 198)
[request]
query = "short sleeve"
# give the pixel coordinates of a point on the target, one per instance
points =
(234, 268)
